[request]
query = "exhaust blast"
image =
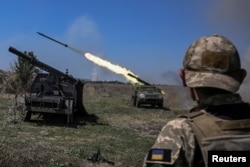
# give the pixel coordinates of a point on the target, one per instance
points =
(112, 67)
(100, 62)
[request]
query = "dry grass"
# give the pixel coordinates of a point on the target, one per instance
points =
(123, 133)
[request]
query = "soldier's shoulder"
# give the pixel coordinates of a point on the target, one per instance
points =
(178, 122)
(178, 125)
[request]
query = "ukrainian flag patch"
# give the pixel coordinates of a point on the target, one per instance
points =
(159, 155)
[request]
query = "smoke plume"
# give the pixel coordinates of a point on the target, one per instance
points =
(231, 18)
(112, 67)
(84, 29)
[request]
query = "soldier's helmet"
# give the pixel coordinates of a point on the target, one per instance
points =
(212, 61)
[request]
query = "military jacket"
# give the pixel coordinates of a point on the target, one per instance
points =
(176, 144)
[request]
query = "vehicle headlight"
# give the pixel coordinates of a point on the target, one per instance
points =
(142, 95)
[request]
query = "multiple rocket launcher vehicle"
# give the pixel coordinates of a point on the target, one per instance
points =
(55, 91)
(52, 92)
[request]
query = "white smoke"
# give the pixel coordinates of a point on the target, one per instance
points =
(94, 74)
(84, 33)
(84, 29)
(171, 77)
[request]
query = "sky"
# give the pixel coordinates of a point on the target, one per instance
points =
(148, 37)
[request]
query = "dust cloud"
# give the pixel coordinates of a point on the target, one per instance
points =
(232, 18)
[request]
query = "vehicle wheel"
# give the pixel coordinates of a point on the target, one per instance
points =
(137, 103)
(133, 102)
(160, 105)
(27, 116)
(70, 118)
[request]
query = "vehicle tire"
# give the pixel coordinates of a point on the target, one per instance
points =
(133, 101)
(27, 116)
(160, 105)
(137, 103)
(70, 118)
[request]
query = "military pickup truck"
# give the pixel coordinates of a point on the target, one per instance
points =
(147, 95)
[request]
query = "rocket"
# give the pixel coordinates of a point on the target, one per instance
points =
(52, 39)
(63, 44)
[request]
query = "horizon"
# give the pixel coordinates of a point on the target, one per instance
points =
(147, 37)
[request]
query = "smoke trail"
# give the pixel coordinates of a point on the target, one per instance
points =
(76, 50)
(112, 67)
(108, 65)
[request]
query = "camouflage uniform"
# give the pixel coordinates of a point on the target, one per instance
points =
(172, 138)
(177, 136)
(211, 61)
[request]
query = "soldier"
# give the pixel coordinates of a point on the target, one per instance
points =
(213, 73)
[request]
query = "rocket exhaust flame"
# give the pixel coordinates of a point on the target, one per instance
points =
(100, 62)
(108, 65)
(112, 67)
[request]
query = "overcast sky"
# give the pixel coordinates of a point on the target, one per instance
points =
(148, 37)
